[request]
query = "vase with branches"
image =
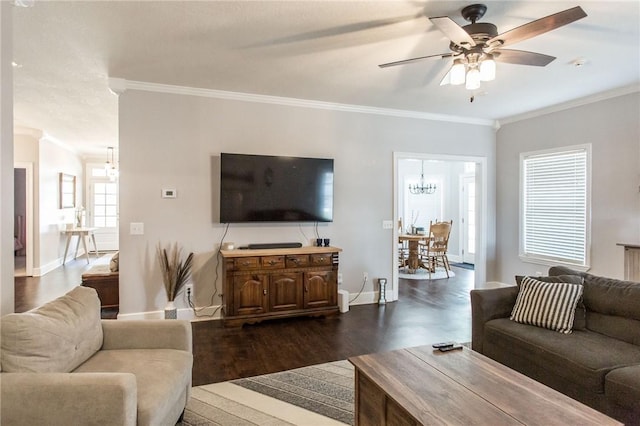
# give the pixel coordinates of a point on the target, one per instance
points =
(175, 274)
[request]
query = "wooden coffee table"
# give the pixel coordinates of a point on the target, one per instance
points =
(421, 385)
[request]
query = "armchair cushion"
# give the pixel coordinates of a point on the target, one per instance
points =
(161, 375)
(54, 338)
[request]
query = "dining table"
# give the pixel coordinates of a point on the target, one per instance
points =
(413, 240)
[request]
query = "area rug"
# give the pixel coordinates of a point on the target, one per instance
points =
(423, 274)
(321, 394)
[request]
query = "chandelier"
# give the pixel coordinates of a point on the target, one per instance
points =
(429, 188)
(110, 166)
(472, 68)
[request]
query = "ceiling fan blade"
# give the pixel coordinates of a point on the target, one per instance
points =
(408, 61)
(537, 27)
(446, 78)
(522, 57)
(453, 31)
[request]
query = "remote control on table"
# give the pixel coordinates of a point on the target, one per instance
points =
(443, 345)
(450, 348)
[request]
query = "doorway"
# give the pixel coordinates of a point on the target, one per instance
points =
(23, 219)
(102, 206)
(452, 175)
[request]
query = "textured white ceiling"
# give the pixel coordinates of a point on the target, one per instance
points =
(317, 50)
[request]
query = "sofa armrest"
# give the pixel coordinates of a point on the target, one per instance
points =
(147, 334)
(486, 305)
(68, 398)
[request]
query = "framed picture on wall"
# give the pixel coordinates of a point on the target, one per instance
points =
(67, 191)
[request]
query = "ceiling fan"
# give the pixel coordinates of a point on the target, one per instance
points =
(476, 46)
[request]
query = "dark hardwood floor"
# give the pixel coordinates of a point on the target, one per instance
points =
(426, 312)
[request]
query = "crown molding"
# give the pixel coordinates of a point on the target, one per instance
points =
(27, 131)
(121, 85)
(48, 138)
(609, 94)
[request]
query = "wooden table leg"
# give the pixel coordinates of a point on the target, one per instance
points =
(95, 247)
(66, 248)
(84, 245)
(414, 261)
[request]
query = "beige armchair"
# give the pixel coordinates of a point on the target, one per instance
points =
(62, 365)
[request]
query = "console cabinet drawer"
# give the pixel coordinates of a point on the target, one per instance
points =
(320, 259)
(243, 263)
(272, 262)
(297, 261)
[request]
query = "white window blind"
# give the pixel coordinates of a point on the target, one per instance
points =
(555, 206)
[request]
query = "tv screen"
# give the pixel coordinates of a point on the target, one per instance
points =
(261, 188)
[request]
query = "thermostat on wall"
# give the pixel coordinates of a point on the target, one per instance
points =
(169, 193)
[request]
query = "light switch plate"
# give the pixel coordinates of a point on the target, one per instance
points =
(136, 228)
(387, 224)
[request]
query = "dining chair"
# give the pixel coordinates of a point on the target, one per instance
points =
(403, 248)
(434, 251)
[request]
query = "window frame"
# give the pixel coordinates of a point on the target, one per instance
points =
(550, 260)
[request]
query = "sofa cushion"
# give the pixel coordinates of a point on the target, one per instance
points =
(613, 306)
(54, 338)
(582, 358)
(580, 314)
(548, 305)
(163, 377)
(622, 386)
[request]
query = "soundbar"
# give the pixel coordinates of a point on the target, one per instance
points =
(257, 246)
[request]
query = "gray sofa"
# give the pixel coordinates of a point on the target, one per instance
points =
(62, 365)
(598, 363)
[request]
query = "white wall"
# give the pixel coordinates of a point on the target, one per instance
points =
(7, 305)
(169, 140)
(49, 160)
(613, 128)
(54, 159)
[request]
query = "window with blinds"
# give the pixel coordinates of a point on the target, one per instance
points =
(554, 214)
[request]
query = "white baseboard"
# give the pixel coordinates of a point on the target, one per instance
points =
(365, 298)
(42, 270)
(206, 313)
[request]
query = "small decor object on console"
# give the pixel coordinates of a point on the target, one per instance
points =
(175, 274)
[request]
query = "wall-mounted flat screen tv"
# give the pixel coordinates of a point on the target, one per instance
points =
(261, 188)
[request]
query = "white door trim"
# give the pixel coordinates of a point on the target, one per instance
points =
(29, 210)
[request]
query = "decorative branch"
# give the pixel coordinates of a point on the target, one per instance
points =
(175, 272)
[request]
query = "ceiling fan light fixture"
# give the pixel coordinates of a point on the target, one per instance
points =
(488, 69)
(473, 79)
(457, 73)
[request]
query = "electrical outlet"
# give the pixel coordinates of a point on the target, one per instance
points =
(188, 288)
(365, 275)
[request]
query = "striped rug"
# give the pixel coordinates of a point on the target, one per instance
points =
(321, 395)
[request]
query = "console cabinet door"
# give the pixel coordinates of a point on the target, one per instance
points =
(285, 291)
(250, 294)
(320, 289)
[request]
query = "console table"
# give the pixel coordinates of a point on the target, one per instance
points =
(279, 283)
(82, 234)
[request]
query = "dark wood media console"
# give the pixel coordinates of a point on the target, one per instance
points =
(278, 283)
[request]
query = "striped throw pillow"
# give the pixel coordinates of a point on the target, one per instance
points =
(548, 305)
